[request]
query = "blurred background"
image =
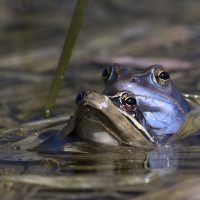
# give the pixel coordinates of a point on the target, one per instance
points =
(134, 33)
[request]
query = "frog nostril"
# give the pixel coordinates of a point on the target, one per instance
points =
(136, 79)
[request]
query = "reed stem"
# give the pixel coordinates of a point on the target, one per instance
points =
(66, 54)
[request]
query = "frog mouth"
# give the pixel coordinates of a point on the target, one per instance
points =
(99, 120)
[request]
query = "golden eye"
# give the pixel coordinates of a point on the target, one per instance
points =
(162, 77)
(106, 74)
(129, 102)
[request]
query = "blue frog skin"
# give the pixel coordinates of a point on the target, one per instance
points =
(160, 102)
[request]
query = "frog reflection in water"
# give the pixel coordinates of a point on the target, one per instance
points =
(148, 100)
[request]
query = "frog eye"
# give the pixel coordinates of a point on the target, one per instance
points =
(106, 74)
(129, 102)
(162, 76)
(79, 98)
(82, 95)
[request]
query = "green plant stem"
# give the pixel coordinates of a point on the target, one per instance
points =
(66, 54)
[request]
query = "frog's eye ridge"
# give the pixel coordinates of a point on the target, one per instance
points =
(162, 76)
(128, 101)
(106, 74)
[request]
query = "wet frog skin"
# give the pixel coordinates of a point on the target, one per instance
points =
(148, 102)
(99, 120)
(161, 103)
